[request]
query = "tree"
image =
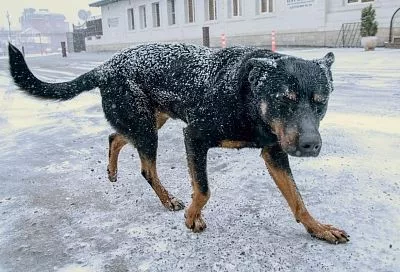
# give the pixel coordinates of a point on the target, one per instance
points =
(369, 25)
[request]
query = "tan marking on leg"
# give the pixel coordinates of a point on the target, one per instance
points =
(116, 144)
(119, 141)
(149, 171)
(233, 144)
(194, 219)
(286, 185)
(161, 118)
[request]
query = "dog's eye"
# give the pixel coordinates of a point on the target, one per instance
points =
(320, 99)
(287, 97)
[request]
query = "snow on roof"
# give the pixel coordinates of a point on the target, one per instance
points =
(102, 3)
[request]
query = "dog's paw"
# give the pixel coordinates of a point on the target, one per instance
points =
(174, 204)
(329, 233)
(195, 223)
(112, 175)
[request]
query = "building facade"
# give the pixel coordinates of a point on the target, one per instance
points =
(42, 30)
(244, 22)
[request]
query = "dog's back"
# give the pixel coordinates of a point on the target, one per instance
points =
(179, 76)
(152, 64)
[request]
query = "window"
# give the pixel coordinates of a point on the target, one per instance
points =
(266, 6)
(171, 12)
(358, 1)
(131, 19)
(142, 15)
(190, 11)
(234, 8)
(155, 8)
(211, 9)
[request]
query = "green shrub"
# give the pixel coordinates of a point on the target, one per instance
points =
(369, 26)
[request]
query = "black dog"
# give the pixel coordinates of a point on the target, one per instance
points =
(235, 97)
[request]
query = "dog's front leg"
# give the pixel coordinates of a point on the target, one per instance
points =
(277, 163)
(196, 152)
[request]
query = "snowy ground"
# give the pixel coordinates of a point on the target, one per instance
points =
(58, 211)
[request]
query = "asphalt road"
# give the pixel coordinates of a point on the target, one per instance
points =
(58, 211)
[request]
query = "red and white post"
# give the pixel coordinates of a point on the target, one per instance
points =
(223, 40)
(273, 41)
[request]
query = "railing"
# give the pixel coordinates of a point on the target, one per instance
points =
(349, 35)
(391, 37)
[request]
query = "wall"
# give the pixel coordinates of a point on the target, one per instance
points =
(316, 23)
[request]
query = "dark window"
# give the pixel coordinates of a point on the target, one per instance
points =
(171, 12)
(190, 11)
(131, 19)
(156, 14)
(142, 13)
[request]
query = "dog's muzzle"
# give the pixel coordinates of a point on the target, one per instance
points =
(308, 145)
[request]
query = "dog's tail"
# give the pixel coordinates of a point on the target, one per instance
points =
(24, 79)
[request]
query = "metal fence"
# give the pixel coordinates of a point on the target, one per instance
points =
(349, 35)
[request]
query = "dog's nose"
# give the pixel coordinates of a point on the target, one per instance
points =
(309, 144)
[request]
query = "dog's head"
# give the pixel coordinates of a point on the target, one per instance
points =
(290, 95)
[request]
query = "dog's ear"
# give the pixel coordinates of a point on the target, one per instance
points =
(326, 63)
(327, 60)
(256, 66)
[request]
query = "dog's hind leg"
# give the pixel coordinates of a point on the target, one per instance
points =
(131, 113)
(116, 143)
(149, 172)
(147, 149)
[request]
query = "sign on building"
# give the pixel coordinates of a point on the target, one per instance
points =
(113, 22)
(292, 4)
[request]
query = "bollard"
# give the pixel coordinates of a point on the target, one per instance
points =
(63, 50)
(273, 42)
(223, 40)
(206, 36)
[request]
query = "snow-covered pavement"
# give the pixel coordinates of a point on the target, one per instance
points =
(59, 212)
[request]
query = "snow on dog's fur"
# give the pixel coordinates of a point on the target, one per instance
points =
(235, 97)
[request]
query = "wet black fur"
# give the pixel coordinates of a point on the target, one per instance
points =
(218, 95)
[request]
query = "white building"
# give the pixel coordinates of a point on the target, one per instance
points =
(245, 22)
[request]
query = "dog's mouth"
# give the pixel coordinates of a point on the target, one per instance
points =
(298, 152)
(294, 143)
